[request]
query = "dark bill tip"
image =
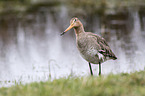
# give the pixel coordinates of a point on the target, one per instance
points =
(62, 33)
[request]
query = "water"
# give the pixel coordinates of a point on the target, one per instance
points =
(31, 48)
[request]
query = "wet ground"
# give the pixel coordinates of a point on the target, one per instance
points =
(31, 48)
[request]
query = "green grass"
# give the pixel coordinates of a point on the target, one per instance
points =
(112, 85)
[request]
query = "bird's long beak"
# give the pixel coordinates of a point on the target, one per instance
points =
(71, 26)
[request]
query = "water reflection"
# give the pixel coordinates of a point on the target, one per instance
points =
(33, 50)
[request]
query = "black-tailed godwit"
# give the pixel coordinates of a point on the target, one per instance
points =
(92, 47)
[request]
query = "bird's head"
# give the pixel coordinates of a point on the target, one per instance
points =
(74, 23)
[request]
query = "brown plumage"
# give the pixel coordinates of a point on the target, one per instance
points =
(92, 47)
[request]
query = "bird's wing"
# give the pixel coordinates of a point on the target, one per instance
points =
(104, 47)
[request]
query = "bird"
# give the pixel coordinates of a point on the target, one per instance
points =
(92, 47)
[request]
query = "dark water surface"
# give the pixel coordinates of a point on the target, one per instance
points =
(31, 48)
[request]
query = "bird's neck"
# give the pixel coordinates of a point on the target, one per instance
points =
(79, 30)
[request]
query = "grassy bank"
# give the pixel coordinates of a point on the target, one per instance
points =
(112, 85)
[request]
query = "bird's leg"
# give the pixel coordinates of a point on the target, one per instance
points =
(99, 68)
(90, 69)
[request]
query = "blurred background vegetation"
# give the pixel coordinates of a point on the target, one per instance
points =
(88, 6)
(79, 8)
